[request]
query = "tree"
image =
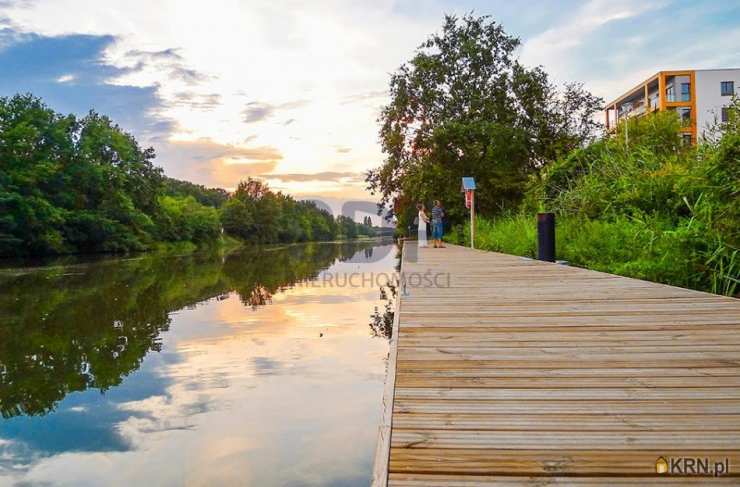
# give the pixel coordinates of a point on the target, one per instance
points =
(347, 227)
(215, 197)
(464, 106)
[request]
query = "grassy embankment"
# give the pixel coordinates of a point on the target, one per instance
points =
(651, 209)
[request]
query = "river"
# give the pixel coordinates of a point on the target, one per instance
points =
(257, 367)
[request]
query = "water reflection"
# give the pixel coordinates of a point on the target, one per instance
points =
(238, 393)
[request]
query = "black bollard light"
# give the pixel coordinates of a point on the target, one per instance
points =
(546, 236)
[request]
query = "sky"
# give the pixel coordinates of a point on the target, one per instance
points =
(290, 91)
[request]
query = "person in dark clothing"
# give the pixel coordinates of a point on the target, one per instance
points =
(437, 226)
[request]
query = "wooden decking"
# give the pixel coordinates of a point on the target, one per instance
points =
(523, 372)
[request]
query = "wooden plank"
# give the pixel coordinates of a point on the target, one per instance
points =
(431, 480)
(552, 394)
(631, 462)
(576, 406)
(483, 371)
(409, 381)
(558, 440)
(567, 422)
(520, 372)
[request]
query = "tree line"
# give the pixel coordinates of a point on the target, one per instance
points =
(78, 185)
(257, 214)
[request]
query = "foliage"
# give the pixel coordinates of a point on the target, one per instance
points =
(651, 208)
(256, 214)
(464, 106)
(214, 197)
(184, 219)
(71, 185)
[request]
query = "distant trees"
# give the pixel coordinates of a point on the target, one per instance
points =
(259, 215)
(465, 106)
(215, 197)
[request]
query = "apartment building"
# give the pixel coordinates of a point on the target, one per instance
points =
(700, 96)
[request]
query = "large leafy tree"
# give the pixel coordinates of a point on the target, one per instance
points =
(465, 106)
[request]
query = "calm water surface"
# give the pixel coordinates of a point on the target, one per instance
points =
(242, 369)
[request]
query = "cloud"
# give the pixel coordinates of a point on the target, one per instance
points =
(170, 54)
(633, 41)
(196, 101)
(46, 67)
(334, 176)
(209, 162)
(208, 149)
(228, 175)
(368, 95)
(168, 61)
(553, 47)
(256, 111)
(187, 75)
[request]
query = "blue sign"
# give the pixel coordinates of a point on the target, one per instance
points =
(468, 184)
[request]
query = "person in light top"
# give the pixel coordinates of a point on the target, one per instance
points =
(423, 220)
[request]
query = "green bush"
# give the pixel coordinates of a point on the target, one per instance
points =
(184, 219)
(644, 207)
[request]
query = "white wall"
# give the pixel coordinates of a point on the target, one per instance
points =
(709, 100)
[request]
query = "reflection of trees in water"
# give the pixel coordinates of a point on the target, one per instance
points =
(381, 323)
(70, 328)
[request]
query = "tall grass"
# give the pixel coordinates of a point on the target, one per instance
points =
(653, 210)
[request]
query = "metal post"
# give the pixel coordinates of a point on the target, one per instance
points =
(546, 236)
(472, 219)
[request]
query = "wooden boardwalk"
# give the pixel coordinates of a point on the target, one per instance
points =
(523, 372)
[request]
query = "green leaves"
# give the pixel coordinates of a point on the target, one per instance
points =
(69, 185)
(258, 215)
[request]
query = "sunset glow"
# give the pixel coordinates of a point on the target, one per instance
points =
(290, 91)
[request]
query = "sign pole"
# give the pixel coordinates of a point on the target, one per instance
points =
(468, 187)
(472, 219)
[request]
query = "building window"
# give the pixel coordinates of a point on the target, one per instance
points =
(685, 93)
(669, 96)
(725, 115)
(727, 88)
(686, 138)
(684, 114)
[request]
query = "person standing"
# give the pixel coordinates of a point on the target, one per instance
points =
(437, 226)
(423, 220)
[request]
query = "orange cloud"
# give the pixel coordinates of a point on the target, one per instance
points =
(208, 162)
